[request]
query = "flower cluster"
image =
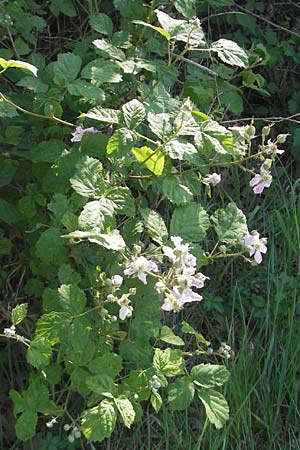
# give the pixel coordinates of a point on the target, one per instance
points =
(75, 433)
(155, 384)
(256, 246)
(177, 284)
(124, 302)
(79, 132)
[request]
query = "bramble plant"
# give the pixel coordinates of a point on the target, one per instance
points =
(108, 262)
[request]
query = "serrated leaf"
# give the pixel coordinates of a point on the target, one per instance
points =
(19, 65)
(126, 410)
(134, 113)
(67, 67)
(176, 191)
(18, 401)
(108, 364)
(50, 248)
(96, 213)
(103, 115)
(230, 224)
(122, 199)
(167, 335)
(99, 422)
(88, 180)
(39, 352)
(216, 406)
(71, 299)
(186, 328)
(160, 124)
(156, 401)
(50, 325)
(213, 137)
(111, 241)
(120, 142)
(108, 50)
(155, 225)
(160, 30)
(181, 30)
(180, 149)
(26, 425)
(7, 170)
(102, 71)
(209, 375)
(8, 212)
(230, 52)
(101, 384)
(101, 23)
(19, 313)
(168, 362)
(190, 222)
(154, 160)
(181, 394)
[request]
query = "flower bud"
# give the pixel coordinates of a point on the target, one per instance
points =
(117, 280)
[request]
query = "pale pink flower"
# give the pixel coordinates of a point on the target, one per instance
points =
(79, 132)
(175, 300)
(126, 308)
(140, 267)
(256, 246)
(261, 180)
(213, 179)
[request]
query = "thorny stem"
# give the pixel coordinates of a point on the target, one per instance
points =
(30, 113)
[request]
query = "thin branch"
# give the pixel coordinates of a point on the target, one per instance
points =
(265, 119)
(199, 66)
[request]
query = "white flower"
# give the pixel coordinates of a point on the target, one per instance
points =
(179, 255)
(256, 246)
(175, 300)
(10, 332)
(126, 308)
(117, 280)
(140, 268)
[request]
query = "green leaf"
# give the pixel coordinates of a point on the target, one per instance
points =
(109, 364)
(182, 30)
(8, 212)
(160, 125)
(216, 406)
(26, 425)
(103, 115)
(111, 241)
(99, 422)
(230, 224)
(26, 206)
(19, 313)
(19, 65)
(186, 8)
(213, 137)
(209, 375)
(168, 362)
(33, 84)
(123, 200)
(18, 401)
(126, 410)
(101, 71)
(186, 328)
(51, 325)
(134, 113)
(160, 30)
(155, 225)
(177, 190)
(101, 384)
(154, 160)
(101, 23)
(39, 353)
(88, 180)
(95, 214)
(156, 401)
(107, 50)
(230, 52)
(66, 68)
(167, 335)
(190, 222)
(67, 275)
(7, 170)
(121, 142)
(181, 393)
(71, 299)
(179, 149)
(50, 247)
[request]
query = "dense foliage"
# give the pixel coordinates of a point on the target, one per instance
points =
(113, 155)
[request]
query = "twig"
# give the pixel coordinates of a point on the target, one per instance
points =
(199, 66)
(265, 119)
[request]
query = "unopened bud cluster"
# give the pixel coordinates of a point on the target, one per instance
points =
(75, 433)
